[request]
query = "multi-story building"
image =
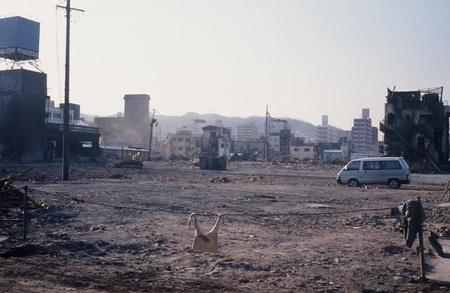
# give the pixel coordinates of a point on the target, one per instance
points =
(180, 144)
(329, 134)
(363, 135)
(374, 136)
(279, 137)
(416, 127)
(247, 132)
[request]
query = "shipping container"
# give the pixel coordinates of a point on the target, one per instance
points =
(19, 38)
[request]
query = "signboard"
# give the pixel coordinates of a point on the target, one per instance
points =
(19, 38)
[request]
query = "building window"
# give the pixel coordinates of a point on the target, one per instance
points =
(306, 150)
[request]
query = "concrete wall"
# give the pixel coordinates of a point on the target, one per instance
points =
(137, 107)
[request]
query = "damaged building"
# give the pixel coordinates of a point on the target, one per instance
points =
(31, 128)
(279, 136)
(179, 145)
(133, 129)
(84, 138)
(416, 126)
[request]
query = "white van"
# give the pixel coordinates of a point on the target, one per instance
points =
(393, 171)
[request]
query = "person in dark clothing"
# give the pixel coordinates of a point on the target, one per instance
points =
(413, 218)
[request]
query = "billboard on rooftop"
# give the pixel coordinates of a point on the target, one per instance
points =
(19, 38)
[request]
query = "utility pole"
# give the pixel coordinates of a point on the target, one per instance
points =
(152, 122)
(266, 135)
(65, 163)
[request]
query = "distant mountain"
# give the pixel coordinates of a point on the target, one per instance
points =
(168, 124)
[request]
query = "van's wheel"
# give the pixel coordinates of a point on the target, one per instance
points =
(394, 183)
(353, 182)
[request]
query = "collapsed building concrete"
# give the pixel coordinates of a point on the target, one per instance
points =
(416, 126)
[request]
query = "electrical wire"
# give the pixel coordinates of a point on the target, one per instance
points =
(259, 215)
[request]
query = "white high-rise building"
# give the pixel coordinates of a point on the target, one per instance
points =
(362, 134)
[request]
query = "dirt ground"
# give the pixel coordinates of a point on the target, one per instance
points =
(123, 230)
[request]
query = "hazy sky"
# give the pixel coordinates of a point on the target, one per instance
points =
(232, 57)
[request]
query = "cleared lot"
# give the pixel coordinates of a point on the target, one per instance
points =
(117, 230)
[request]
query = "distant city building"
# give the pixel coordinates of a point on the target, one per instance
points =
(279, 137)
(329, 134)
(374, 136)
(366, 113)
(247, 132)
(363, 135)
(179, 144)
(324, 120)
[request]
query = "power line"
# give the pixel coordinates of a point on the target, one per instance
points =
(299, 214)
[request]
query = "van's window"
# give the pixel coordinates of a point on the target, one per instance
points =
(353, 166)
(391, 165)
(372, 165)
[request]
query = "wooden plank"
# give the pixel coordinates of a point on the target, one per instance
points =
(438, 268)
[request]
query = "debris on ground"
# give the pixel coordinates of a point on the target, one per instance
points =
(220, 180)
(145, 245)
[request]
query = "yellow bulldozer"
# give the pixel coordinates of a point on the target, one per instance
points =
(130, 160)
